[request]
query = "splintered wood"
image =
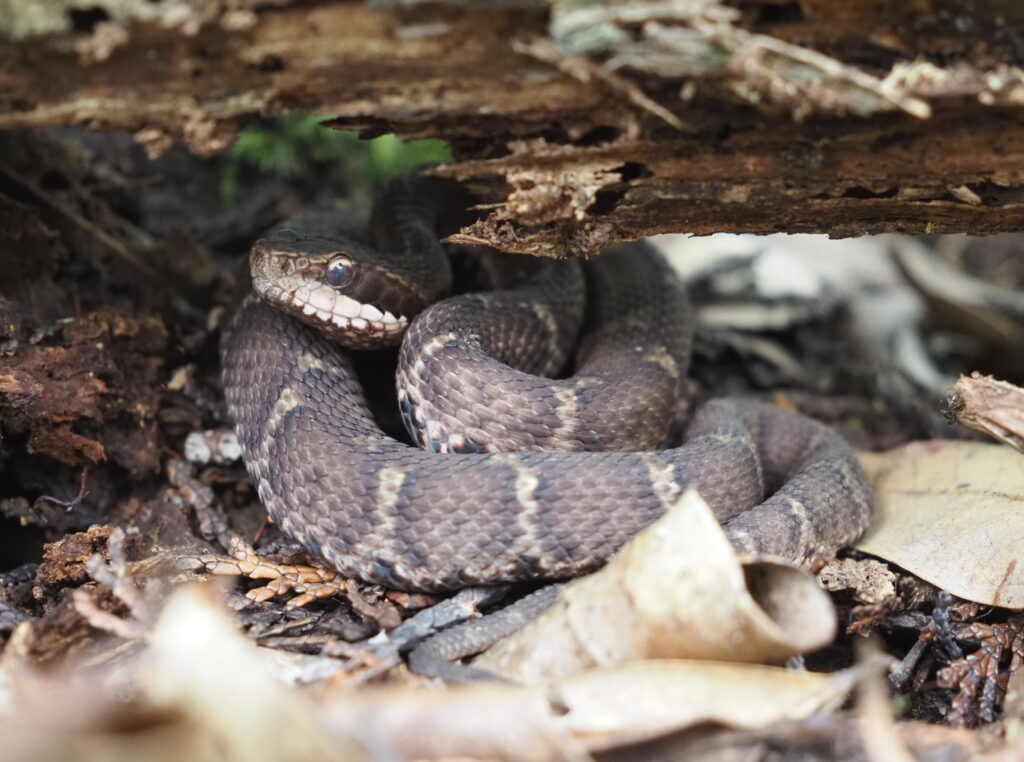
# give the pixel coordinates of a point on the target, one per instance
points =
(993, 407)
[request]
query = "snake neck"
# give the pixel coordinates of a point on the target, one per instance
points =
(407, 217)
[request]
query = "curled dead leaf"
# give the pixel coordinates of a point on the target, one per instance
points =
(677, 590)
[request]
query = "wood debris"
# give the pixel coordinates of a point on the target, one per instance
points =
(991, 406)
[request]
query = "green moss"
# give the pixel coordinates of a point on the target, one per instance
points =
(298, 147)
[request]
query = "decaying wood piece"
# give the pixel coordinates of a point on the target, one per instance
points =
(990, 406)
(580, 122)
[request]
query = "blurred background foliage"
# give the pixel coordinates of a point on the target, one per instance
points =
(298, 147)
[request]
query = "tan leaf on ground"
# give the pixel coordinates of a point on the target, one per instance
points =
(596, 710)
(629, 703)
(475, 721)
(677, 590)
(196, 690)
(953, 514)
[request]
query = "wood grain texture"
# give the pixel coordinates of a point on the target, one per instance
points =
(578, 123)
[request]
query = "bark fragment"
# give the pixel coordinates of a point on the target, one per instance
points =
(581, 123)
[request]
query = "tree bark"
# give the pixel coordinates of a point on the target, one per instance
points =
(579, 122)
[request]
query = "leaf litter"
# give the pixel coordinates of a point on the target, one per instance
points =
(664, 651)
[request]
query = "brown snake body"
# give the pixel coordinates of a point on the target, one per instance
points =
(383, 511)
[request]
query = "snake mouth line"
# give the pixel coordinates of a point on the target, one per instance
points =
(329, 308)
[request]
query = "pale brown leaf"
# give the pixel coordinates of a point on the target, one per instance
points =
(953, 514)
(629, 703)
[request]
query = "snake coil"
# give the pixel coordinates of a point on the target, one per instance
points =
(473, 381)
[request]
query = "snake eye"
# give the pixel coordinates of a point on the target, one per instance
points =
(339, 271)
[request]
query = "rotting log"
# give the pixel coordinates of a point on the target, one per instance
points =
(581, 122)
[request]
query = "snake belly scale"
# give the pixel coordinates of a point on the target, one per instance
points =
(487, 500)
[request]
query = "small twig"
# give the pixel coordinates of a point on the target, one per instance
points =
(903, 670)
(382, 652)
(114, 574)
(104, 620)
(309, 640)
(70, 505)
(944, 628)
(261, 529)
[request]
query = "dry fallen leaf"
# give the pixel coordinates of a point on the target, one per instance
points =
(199, 691)
(629, 703)
(198, 663)
(677, 590)
(953, 514)
(479, 721)
(875, 722)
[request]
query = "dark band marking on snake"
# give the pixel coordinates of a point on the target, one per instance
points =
(505, 507)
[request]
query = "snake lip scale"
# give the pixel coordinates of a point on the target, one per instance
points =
(523, 476)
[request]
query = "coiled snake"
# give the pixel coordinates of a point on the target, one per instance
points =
(505, 507)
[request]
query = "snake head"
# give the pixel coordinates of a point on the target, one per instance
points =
(333, 283)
